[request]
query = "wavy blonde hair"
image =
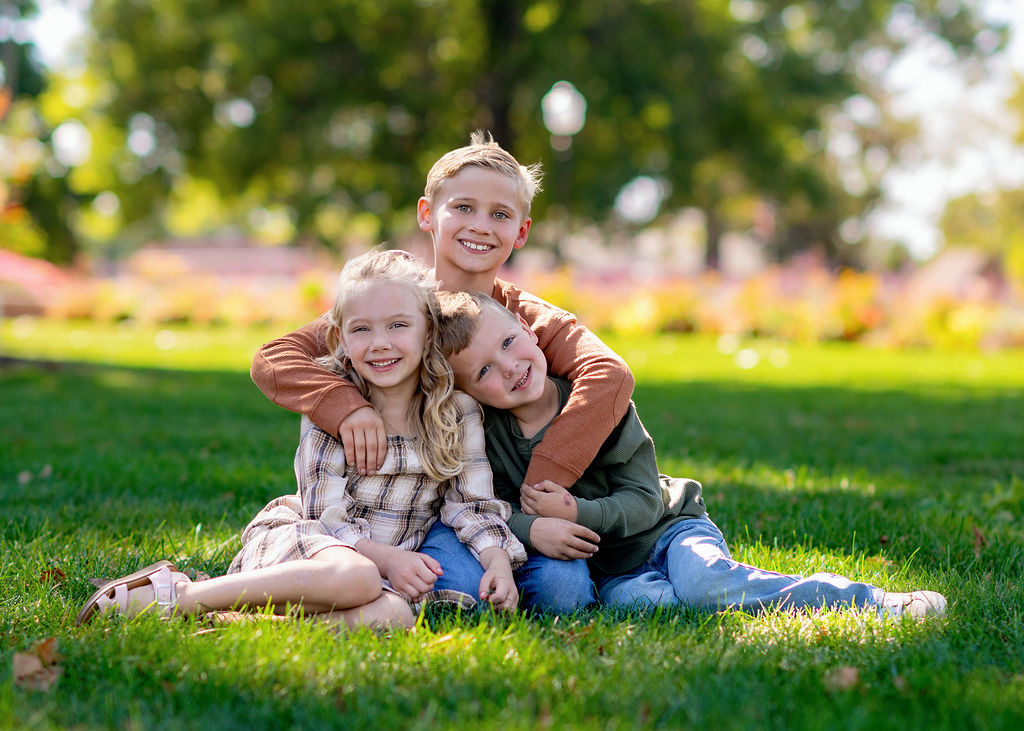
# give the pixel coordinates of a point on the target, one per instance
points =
(433, 413)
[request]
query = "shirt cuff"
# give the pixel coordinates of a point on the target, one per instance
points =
(520, 523)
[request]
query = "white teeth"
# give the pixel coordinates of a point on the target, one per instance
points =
(475, 247)
(522, 381)
(383, 363)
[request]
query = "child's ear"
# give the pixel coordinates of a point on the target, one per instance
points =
(423, 215)
(522, 233)
(526, 327)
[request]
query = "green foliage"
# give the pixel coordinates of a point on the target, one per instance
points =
(901, 469)
(321, 120)
(993, 222)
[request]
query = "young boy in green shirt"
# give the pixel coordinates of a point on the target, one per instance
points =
(658, 546)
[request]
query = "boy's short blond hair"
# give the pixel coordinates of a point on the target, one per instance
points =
(458, 319)
(482, 151)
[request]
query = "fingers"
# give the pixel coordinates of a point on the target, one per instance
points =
(574, 549)
(528, 500)
(416, 585)
(580, 542)
(586, 534)
(365, 440)
(382, 449)
(359, 451)
(348, 444)
(499, 591)
(432, 564)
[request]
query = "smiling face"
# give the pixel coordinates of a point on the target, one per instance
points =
(502, 366)
(384, 332)
(475, 221)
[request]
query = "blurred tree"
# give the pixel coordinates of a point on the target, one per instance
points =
(992, 221)
(321, 119)
(21, 79)
(20, 73)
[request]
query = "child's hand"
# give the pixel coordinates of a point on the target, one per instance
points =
(563, 539)
(411, 574)
(549, 500)
(497, 585)
(364, 439)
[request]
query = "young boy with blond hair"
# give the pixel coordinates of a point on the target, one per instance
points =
(658, 545)
(476, 208)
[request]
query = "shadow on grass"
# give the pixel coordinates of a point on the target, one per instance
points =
(111, 452)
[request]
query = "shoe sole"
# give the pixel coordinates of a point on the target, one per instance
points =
(131, 581)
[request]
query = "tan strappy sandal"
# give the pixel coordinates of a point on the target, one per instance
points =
(113, 596)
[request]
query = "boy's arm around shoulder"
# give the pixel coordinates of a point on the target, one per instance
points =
(602, 386)
(286, 371)
(635, 500)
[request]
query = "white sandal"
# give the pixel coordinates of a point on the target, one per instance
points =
(113, 596)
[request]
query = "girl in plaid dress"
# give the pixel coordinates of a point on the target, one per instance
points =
(344, 546)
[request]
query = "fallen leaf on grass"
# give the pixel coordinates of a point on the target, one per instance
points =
(52, 576)
(37, 669)
(980, 541)
(842, 678)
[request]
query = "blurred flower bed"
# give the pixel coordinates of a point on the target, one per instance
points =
(799, 302)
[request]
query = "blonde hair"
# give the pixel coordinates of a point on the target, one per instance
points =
(484, 152)
(433, 413)
(458, 319)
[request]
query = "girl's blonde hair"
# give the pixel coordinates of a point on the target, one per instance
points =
(433, 413)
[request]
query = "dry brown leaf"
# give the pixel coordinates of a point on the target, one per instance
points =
(47, 651)
(842, 678)
(980, 541)
(37, 668)
(52, 576)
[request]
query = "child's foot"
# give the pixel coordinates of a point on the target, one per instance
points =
(149, 589)
(917, 604)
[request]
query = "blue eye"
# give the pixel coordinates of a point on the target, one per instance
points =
(483, 372)
(501, 215)
(507, 342)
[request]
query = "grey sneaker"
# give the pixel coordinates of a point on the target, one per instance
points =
(917, 604)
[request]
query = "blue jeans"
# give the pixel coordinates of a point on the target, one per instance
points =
(545, 584)
(691, 565)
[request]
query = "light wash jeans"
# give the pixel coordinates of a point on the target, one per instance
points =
(691, 565)
(545, 584)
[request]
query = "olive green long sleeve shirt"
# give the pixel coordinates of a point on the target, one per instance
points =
(620, 496)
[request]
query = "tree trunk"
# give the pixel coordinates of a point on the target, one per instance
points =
(713, 227)
(503, 20)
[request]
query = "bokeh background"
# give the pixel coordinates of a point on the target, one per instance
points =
(797, 169)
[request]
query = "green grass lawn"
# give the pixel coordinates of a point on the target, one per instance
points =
(902, 469)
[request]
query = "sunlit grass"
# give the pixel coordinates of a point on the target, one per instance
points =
(133, 344)
(902, 469)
